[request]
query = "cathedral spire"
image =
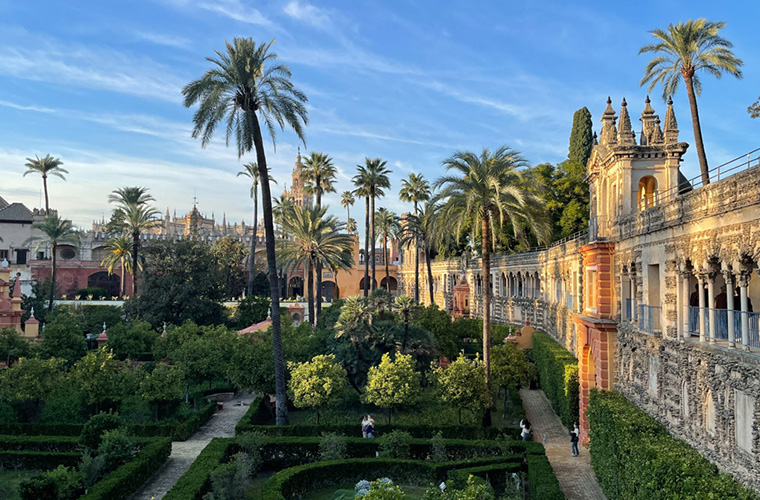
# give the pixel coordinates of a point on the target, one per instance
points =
(625, 134)
(671, 126)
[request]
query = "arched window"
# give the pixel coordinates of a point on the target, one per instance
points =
(647, 194)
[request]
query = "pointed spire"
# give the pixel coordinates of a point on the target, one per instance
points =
(647, 123)
(657, 137)
(671, 125)
(17, 287)
(609, 131)
(596, 139)
(625, 134)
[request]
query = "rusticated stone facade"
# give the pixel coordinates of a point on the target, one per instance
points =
(658, 300)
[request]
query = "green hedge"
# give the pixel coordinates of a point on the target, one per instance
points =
(39, 443)
(121, 483)
(28, 460)
(292, 482)
(634, 457)
(542, 482)
(196, 481)
(558, 376)
(178, 431)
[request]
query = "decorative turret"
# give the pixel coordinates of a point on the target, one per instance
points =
(31, 326)
(657, 137)
(609, 131)
(647, 123)
(625, 134)
(103, 337)
(671, 126)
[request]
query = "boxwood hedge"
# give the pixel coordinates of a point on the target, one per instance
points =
(635, 458)
(558, 376)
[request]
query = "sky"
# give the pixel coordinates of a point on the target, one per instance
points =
(98, 85)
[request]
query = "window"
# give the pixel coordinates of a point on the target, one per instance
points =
(21, 256)
(67, 253)
(3, 254)
(591, 289)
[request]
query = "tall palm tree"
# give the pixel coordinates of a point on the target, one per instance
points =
(489, 187)
(55, 231)
(251, 170)
(119, 253)
(388, 225)
(347, 200)
(429, 231)
(45, 167)
(318, 174)
(351, 226)
(134, 215)
(372, 177)
(361, 190)
(684, 49)
(415, 190)
(246, 84)
(405, 306)
(315, 239)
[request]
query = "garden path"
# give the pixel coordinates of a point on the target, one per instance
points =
(576, 479)
(221, 424)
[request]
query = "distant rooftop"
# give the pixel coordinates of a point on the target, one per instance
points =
(14, 212)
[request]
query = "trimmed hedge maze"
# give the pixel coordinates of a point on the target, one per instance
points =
(295, 461)
(48, 452)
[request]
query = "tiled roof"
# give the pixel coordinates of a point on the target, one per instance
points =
(15, 212)
(3, 203)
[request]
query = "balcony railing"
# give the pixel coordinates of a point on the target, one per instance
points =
(720, 317)
(629, 309)
(649, 318)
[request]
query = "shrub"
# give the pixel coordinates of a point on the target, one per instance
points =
(229, 481)
(196, 481)
(438, 448)
(395, 444)
(93, 430)
(384, 489)
(61, 483)
(558, 375)
(393, 383)
(634, 457)
(116, 448)
(332, 447)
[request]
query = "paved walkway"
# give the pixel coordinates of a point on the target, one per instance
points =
(576, 479)
(221, 424)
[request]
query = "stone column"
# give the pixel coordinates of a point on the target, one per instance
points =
(632, 290)
(685, 304)
(702, 327)
(623, 294)
(743, 282)
(710, 304)
(729, 277)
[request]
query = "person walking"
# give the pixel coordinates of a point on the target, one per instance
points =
(574, 438)
(370, 427)
(525, 426)
(365, 423)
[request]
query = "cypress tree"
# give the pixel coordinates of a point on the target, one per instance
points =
(581, 137)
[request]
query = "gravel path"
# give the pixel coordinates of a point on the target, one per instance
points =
(576, 479)
(221, 424)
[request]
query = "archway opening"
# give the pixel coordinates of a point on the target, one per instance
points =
(647, 193)
(389, 283)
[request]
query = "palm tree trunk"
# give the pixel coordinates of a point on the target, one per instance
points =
(486, 266)
(135, 248)
(52, 278)
(274, 286)
(123, 288)
(252, 263)
(372, 243)
(310, 290)
(44, 188)
(430, 276)
(385, 260)
(697, 131)
(318, 267)
(366, 249)
(406, 332)
(416, 264)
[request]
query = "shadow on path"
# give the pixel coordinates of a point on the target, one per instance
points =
(576, 479)
(221, 424)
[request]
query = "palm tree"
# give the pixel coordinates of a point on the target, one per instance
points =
(415, 190)
(134, 216)
(428, 229)
(119, 253)
(246, 84)
(361, 190)
(683, 49)
(354, 323)
(405, 306)
(372, 178)
(55, 231)
(388, 225)
(347, 200)
(315, 239)
(351, 226)
(489, 188)
(251, 170)
(45, 166)
(318, 174)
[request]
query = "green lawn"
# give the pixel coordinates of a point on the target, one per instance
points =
(10, 480)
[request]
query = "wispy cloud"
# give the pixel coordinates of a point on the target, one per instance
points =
(21, 107)
(307, 13)
(101, 69)
(236, 10)
(163, 39)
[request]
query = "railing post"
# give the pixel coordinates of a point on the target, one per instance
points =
(743, 282)
(729, 278)
(702, 326)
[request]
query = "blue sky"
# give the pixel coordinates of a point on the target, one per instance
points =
(98, 85)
